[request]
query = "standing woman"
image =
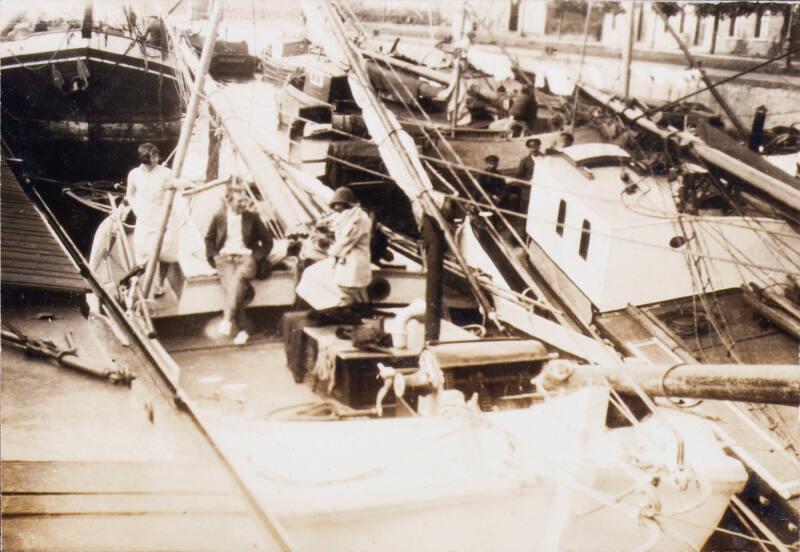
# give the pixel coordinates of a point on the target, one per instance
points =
(352, 229)
(148, 185)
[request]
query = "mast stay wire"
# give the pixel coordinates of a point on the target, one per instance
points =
(423, 196)
(498, 240)
(507, 212)
(644, 397)
(723, 330)
(640, 392)
(475, 170)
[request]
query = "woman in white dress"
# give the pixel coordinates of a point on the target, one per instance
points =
(148, 186)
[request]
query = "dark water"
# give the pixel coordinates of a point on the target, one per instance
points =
(79, 221)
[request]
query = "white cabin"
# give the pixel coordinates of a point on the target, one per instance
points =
(610, 235)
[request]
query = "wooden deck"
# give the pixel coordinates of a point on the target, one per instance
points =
(89, 466)
(32, 257)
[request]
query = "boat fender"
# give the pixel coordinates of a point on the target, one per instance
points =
(58, 78)
(80, 82)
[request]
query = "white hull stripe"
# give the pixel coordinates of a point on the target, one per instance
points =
(89, 58)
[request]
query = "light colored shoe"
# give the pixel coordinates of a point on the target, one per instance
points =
(225, 328)
(241, 338)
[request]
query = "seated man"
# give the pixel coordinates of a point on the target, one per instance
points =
(524, 107)
(238, 245)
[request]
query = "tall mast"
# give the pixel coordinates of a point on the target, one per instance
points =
(183, 141)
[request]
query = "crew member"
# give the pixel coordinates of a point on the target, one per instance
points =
(148, 186)
(351, 247)
(524, 107)
(518, 196)
(528, 163)
(491, 181)
(238, 246)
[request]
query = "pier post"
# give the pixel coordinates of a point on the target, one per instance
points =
(627, 50)
(757, 129)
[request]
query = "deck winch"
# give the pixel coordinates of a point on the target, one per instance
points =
(489, 369)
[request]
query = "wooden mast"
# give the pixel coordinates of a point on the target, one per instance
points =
(752, 383)
(183, 141)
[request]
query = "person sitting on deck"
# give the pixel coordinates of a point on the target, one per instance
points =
(352, 228)
(491, 181)
(524, 107)
(146, 193)
(238, 246)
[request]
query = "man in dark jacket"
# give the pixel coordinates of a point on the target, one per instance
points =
(519, 193)
(491, 181)
(528, 163)
(237, 244)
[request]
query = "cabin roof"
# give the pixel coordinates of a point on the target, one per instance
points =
(602, 190)
(583, 154)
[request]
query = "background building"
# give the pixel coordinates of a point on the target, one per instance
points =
(732, 28)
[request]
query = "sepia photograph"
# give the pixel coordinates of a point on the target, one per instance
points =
(399, 275)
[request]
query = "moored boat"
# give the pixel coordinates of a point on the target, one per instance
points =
(459, 477)
(80, 95)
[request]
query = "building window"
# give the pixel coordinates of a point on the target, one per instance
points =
(586, 233)
(699, 31)
(640, 25)
(562, 215)
(513, 19)
(732, 26)
(759, 17)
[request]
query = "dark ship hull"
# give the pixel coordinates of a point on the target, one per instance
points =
(77, 108)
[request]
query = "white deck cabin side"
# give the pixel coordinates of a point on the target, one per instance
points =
(618, 237)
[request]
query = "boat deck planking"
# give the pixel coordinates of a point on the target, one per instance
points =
(31, 255)
(100, 467)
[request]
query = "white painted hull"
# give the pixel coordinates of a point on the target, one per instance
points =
(544, 478)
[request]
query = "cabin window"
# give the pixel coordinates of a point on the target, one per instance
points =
(317, 79)
(732, 26)
(586, 233)
(562, 215)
